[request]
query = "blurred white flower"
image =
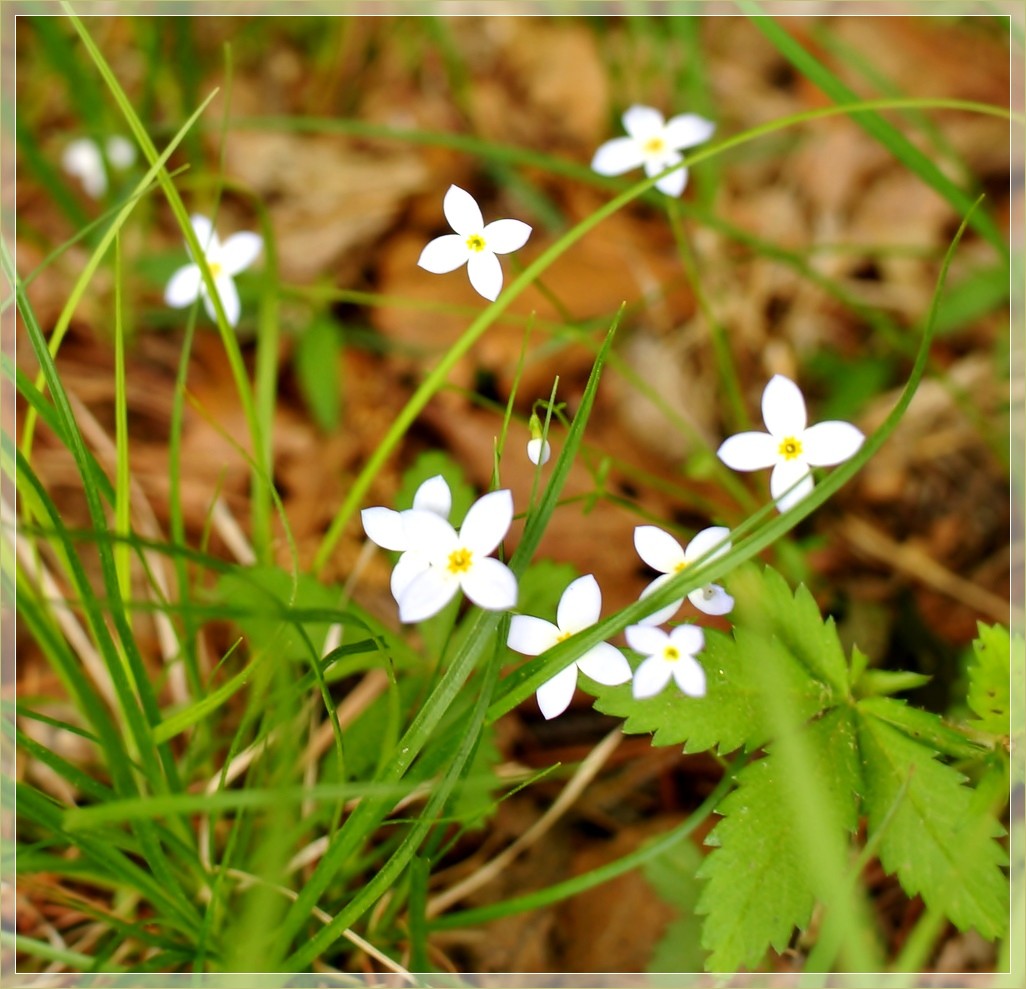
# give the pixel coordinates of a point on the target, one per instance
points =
(538, 448)
(662, 552)
(789, 447)
(668, 655)
(654, 145)
(83, 160)
(448, 561)
(385, 527)
(578, 609)
(474, 243)
(225, 261)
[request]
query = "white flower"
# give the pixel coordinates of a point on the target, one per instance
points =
(473, 244)
(385, 527)
(654, 144)
(662, 552)
(458, 561)
(538, 451)
(224, 260)
(789, 447)
(669, 655)
(579, 608)
(83, 160)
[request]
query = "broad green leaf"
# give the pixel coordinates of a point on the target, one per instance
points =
(989, 673)
(762, 882)
(735, 710)
(930, 834)
(316, 363)
(764, 603)
(922, 726)
(267, 595)
(673, 876)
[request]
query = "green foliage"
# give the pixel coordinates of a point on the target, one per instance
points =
(834, 752)
(316, 363)
(989, 673)
(673, 876)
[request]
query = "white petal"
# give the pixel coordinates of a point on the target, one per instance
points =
(642, 122)
(490, 584)
(689, 675)
(783, 407)
(605, 664)
(689, 639)
(531, 636)
(462, 212)
(429, 534)
(407, 569)
(120, 151)
(704, 541)
(786, 474)
(658, 548)
(503, 236)
(204, 231)
(538, 451)
(749, 451)
(665, 613)
(646, 640)
(384, 527)
(831, 442)
(580, 605)
(207, 304)
(183, 287)
(485, 274)
(239, 251)
(229, 298)
(650, 677)
(444, 254)
(554, 695)
(674, 183)
(688, 129)
(434, 496)
(427, 594)
(712, 599)
(487, 522)
(617, 156)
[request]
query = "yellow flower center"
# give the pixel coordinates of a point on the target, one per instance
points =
(476, 242)
(790, 448)
(460, 560)
(215, 269)
(563, 636)
(679, 566)
(654, 146)
(671, 654)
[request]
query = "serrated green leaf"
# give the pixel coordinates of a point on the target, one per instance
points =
(932, 838)
(765, 603)
(735, 710)
(880, 683)
(989, 674)
(762, 883)
(920, 725)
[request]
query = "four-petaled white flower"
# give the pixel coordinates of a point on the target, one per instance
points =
(789, 447)
(385, 527)
(654, 144)
(662, 552)
(224, 260)
(578, 609)
(474, 243)
(460, 560)
(668, 655)
(82, 159)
